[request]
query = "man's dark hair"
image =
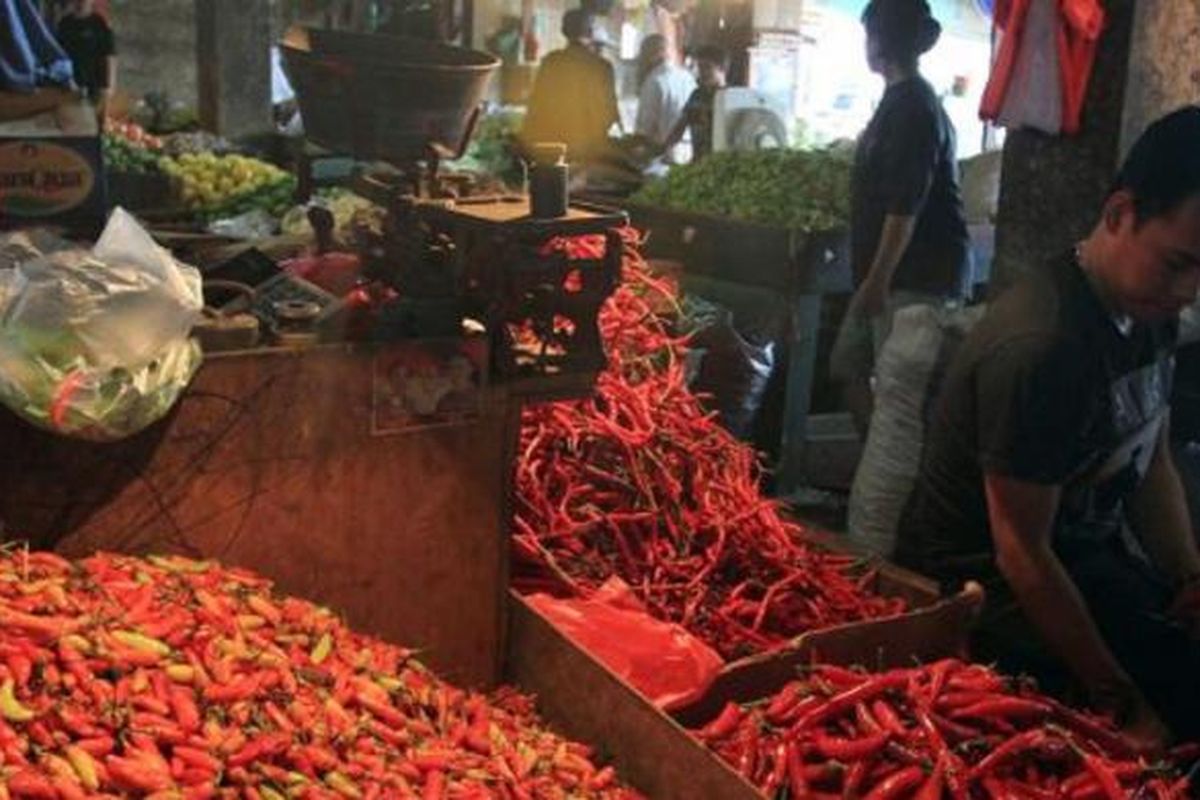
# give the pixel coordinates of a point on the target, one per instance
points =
(1162, 171)
(905, 29)
(713, 54)
(577, 24)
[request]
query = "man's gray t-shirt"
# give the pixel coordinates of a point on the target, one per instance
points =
(1051, 389)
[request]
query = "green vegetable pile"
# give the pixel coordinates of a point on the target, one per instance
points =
(807, 190)
(493, 148)
(121, 155)
(216, 186)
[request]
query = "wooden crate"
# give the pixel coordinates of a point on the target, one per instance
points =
(746, 253)
(273, 460)
(653, 750)
(583, 699)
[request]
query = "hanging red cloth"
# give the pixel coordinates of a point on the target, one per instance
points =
(1009, 16)
(1078, 25)
(1079, 40)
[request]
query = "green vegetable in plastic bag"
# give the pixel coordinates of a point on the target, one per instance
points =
(94, 344)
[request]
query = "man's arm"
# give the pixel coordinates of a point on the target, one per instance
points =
(676, 134)
(1159, 515)
(1021, 516)
(612, 110)
(897, 233)
(906, 166)
(649, 110)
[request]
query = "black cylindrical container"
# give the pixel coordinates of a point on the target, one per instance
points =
(548, 181)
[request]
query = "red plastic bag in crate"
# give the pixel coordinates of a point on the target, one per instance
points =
(661, 660)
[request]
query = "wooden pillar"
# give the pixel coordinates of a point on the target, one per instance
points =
(1164, 71)
(233, 55)
(1053, 186)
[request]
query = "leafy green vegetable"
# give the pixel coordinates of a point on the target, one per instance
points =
(808, 190)
(121, 155)
(493, 148)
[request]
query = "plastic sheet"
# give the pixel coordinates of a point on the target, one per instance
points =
(662, 661)
(732, 368)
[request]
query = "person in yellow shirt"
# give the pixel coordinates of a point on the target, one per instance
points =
(574, 97)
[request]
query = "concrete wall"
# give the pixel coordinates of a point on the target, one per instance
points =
(156, 43)
(234, 55)
(1164, 71)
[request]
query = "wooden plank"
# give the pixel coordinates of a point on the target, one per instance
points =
(584, 700)
(269, 462)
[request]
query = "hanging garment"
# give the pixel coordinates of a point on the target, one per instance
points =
(29, 54)
(1043, 66)
(1010, 22)
(1079, 40)
(1035, 95)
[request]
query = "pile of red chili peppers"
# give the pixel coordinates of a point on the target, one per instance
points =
(641, 482)
(179, 680)
(945, 730)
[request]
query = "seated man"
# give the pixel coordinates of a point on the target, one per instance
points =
(1047, 474)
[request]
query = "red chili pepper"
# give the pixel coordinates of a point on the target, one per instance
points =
(888, 717)
(28, 783)
(848, 699)
(1029, 740)
(932, 788)
(897, 784)
(1104, 775)
(1003, 707)
(1112, 742)
(138, 775)
(849, 749)
(797, 779)
(725, 723)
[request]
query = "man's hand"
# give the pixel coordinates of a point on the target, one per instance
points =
(1022, 517)
(1144, 730)
(1186, 607)
(870, 300)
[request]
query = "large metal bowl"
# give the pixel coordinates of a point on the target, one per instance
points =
(385, 97)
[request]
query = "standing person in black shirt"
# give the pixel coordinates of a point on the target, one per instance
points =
(908, 233)
(712, 64)
(89, 41)
(1047, 473)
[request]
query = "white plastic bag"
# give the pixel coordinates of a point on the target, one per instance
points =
(95, 343)
(920, 346)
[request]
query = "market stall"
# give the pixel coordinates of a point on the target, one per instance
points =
(416, 422)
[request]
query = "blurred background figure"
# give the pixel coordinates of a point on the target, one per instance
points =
(664, 88)
(574, 97)
(88, 40)
(712, 65)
